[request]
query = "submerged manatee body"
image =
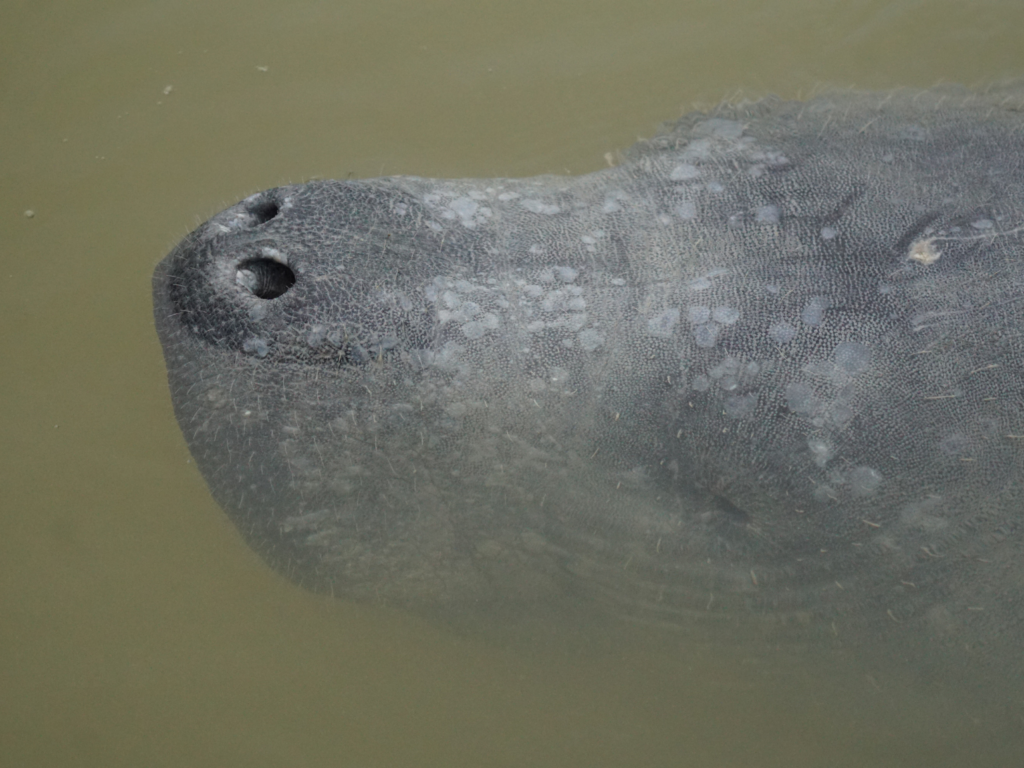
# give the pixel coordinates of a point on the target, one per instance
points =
(767, 372)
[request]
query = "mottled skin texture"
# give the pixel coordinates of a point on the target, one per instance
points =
(768, 372)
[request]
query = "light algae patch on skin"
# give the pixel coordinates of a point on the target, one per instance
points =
(663, 324)
(538, 206)
(781, 332)
(814, 310)
(475, 329)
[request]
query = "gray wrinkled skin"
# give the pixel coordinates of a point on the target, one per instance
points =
(768, 373)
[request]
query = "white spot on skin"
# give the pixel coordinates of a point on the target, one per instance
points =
(698, 315)
(663, 325)
(956, 444)
(256, 346)
(553, 302)
(566, 274)
(726, 368)
(698, 149)
(613, 200)
(706, 335)
(814, 311)
(768, 214)
(840, 414)
(687, 211)
(590, 339)
(801, 399)
(421, 358)
(740, 406)
(558, 376)
(914, 132)
(316, 336)
(919, 514)
(852, 356)
(473, 330)
(864, 480)
(684, 172)
(536, 206)
(456, 410)
(574, 322)
(465, 208)
(725, 315)
(828, 233)
(781, 333)
(820, 452)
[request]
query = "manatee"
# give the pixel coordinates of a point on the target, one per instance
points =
(766, 374)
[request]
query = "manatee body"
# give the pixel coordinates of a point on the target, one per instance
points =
(767, 372)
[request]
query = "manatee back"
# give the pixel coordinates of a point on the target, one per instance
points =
(841, 363)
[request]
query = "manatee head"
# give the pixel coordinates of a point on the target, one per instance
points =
(766, 372)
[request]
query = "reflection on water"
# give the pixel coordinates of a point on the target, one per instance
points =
(138, 628)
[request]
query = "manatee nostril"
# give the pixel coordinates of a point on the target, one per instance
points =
(265, 278)
(263, 210)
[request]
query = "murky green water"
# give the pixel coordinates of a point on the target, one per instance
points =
(135, 626)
